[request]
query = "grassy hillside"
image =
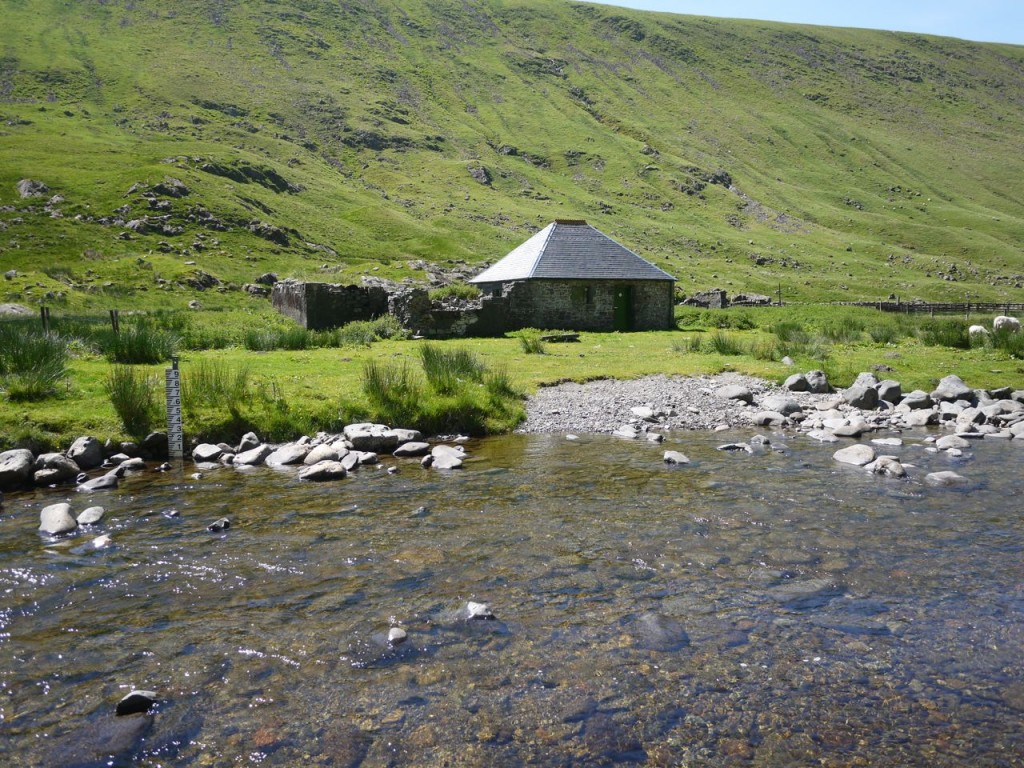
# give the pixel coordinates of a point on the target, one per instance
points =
(188, 148)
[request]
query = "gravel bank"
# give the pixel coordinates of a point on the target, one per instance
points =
(688, 402)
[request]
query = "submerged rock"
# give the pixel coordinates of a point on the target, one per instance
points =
(675, 457)
(654, 632)
(136, 702)
(945, 479)
(323, 470)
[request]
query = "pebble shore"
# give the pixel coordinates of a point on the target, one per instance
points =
(685, 402)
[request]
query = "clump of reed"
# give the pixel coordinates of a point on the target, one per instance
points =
(135, 397)
(530, 341)
(33, 363)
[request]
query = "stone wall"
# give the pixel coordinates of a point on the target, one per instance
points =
(586, 305)
(575, 305)
(317, 306)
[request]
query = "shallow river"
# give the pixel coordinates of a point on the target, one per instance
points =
(774, 609)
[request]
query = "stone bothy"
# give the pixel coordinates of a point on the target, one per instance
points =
(568, 276)
(572, 276)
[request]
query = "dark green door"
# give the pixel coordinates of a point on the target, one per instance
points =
(623, 308)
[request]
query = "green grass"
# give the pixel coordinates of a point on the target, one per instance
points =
(134, 395)
(288, 393)
(844, 149)
(32, 363)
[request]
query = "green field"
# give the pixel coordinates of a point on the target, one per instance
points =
(327, 141)
(188, 149)
(316, 382)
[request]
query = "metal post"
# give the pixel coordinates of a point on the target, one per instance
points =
(175, 437)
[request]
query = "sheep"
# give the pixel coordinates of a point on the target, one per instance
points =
(1011, 324)
(977, 330)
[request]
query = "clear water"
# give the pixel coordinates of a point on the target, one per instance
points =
(774, 609)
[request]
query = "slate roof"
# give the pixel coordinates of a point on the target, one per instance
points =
(571, 250)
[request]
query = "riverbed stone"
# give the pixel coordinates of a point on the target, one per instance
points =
(655, 632)
(91, 515)
(888, 466)
(787, 406)
(397, 636)
(378, 438)
(290, 453)
(205, 452)
(16, 468)
(921, 418)
(108, 741)
(254, 456)
(627, 431)
(323, 470)
(446, 457)
(412, 448)
(475, 611)
(889, 391)
(916, 400)
(350, 460)
(768, 419)
(249, 441)
(854, 427)
(822, 436)
(51, 468)
(946, 442)
(322, 452)
(407, 435)
(946, 478)
(818, 382)
(952, 387)
(735, 392)
(135, 703)
(862, 396)
(859, 455)
(86, 452)
(797, 383)
(675, 457)
(56, 519)
(106, 482)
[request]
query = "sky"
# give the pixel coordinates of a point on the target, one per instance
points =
(996, 21)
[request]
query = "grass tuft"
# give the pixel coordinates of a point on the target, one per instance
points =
(134, 395)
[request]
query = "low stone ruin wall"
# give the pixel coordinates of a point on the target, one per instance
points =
(318, 306)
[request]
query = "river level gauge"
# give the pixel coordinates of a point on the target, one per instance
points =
(175, 436)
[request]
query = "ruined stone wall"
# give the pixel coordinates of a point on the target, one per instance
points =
(576, 305)
(587, 305)
(318, 306)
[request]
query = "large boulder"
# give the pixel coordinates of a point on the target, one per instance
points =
(952, 388)
(371, 437)
(916, 400)
(57, 519)
(797, 383)
(818, 382)
(254, 456)
(781, 404)
(889, 391)
(52, 468)
(206, 452)
(16, 468)
(862, 396)
(291, 453)
(323, 470)
(86, 452)
(859, 455)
